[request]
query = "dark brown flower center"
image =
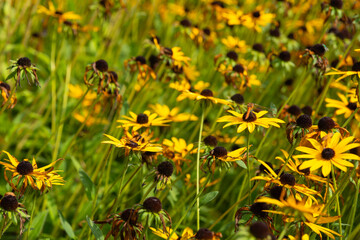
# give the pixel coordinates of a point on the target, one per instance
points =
(285, 56)
(152, 204)
(256, 14)
(238, 68)
(204, 233)
(219, 152)
(140, 59)
(207, 93)
(142, 118)
(9, 202)
(356, 67)
(249, 117)
(24, 62)
(210, 141)
(288, 178)
(165, 168)
(238, 98)
(352, 106)
(101, 65)
(325, 124)
(257, 209)
(24, 168)
(129, 215)
(327, 153)
(232, 55)
(259, 230)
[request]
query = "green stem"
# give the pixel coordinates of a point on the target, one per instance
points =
(350, 118)
(283, 232)
(248, 165)
(354, 205)
(198, 172)
(337, 200)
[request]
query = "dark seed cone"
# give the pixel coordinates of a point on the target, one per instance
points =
(24, 62)
(336, 4)
(129, 215)
(275, 32)
(326, 124)
(232, 55)
(259, 230)
(285, 56)
(101, 65)
(207, 93)
(304, 121)
(140, 59)
(356, 67)
(258, 207)
(165, 168)
(258, 47)
(219, 152)
(352, 106)
(275, 192)
(142, 118)
(238, 98)
(185, 23)
(307, 110)
(24, 168)
(238, 68)
(327, 153)
(288, 178)
(294, 110)
(210, 141)
(318, 49)
(204, 234)
(9, 202)
(152, 204)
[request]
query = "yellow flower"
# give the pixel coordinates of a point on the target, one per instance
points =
(257, 19)
(287, 180)
(176, 149)
(30, 174)
(201, 85)
(173, 114)
(190, 72)
(204, 95)
(328, 153)
(134, 142)
(346, 107)
(143, 120)
(6, 93)
(355, 70)
(186, 235)
(75, 91)
(309, 213)
(180, 86)
(249, 120)
(179, 57)
(235, 43)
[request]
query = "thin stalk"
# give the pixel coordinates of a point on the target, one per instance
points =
(248, 165)
(292, 149)
(350, 118)
(283, 232)
(354, 206)
(198, 172)
(337, 200)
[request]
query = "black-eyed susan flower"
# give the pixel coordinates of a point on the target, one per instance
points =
(249, 120)
(176, 56)
(310, 214)
(141, 120)
(205, 94)
(134, 142)
(27, 173)
(219, 155)
(257, 19)
(234, 43)
(98, 71)
(58, 14)
(286, 180)
(23, 68)
(344, 107)
(172, 114)
(153, 206)
(328, 153)
(187, 233)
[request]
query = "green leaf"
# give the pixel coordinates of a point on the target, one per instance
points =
(11, 75)
(88, 184)
(208, 197)
(241, 164)
(37, 225)
(67, 227)
(95, 229)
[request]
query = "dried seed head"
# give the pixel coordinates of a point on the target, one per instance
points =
(258, 207)
(289, 82)
(304, 121)
(327, 153)
(142, 118)
(207, 31)
(318, 49)
(24, 62)
(294, 110)
(288, 178)
(275, 32)
(9, 202)
(232, 55)
(101, 65)
(185, 23)
(285, 56)
(238, 68)
(207, 93)
(165, 168)
(238, 98)
(129, 215)
(307, 110)
(219, 152)
(326, 124)
(24, 168)
(152, 204)
(259, 230)
(141, 60)
(250, 118)
(258, 47)
(204, 234)
(210, 141)
(336, 4)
